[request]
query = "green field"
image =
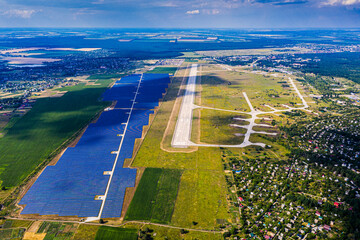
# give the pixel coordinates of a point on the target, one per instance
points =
(106, 233)
(42, 130)
(225, 89)
(169, 70)
(57, 230)
(86, 232)
(215, 127)
(155, 196)
(12, 234)
(105, 76)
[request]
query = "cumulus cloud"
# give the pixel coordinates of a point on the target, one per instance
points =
(341, 2)
(24, 13)
(192, 12)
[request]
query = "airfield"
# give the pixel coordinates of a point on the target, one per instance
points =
(155, 152)
(182, 134)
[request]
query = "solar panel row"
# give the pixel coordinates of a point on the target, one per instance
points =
(69, 188)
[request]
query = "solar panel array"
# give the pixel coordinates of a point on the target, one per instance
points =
(69, 188)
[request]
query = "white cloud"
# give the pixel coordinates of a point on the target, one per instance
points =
(341, 2)
(192, 12)
(211, 11)
(20, 13)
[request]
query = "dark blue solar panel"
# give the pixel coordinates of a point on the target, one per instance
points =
(69, 188)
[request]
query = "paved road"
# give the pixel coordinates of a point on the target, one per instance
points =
(182, 134)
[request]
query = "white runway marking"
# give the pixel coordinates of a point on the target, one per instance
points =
(182, 134)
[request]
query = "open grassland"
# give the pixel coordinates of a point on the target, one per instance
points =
(155, 196)
(106, 233)
(86, 232)
(35, 136)
(216, 92)
(202, 168)
(215, 127)
(224, 89)
(169, 70)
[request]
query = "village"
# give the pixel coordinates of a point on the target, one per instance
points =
(277, 199)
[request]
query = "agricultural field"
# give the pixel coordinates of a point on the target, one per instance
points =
(12, 234)
(38, 134)
(86, 232)
(13, 229)
(155, 196)
(105, 233)
(58, 230)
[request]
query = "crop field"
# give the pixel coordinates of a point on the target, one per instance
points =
(155, 196)
(169, 70)
(43, 129)
(86, 232)
(17, 224)
(105, 233)
(57, 230)
(12, 234)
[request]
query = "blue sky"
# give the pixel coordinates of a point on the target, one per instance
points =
(181, 13)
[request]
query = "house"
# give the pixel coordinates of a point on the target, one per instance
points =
(327, 227)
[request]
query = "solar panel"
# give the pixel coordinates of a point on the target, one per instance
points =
(69, 188)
